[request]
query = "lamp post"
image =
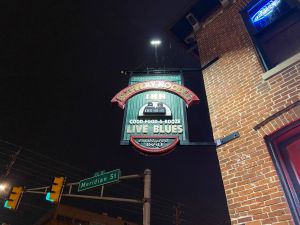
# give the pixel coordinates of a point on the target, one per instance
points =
(155, 43)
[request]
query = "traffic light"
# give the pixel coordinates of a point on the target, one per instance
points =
(14, 198)
(56, 190)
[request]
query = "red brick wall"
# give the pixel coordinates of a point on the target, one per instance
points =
(239, 99)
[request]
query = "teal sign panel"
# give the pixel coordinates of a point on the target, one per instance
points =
(155, 112)
(99, 180)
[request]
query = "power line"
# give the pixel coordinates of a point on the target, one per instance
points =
(158, 213)
(44, 156)
(158, 200)
(48, 168)
(164, 204)
(35, 163)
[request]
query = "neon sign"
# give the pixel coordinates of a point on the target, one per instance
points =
(265, 10)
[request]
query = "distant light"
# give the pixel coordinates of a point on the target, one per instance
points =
(155, 42)
(3, 187)
(265, 10)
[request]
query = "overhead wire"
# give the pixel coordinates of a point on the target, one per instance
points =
(41, 164)
(157, 203)
(162, 203)
(30, 181)
(50, 172)
(44, 156)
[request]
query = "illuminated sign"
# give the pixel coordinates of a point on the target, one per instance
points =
(265, 10)
(155, 112)
(187, 95)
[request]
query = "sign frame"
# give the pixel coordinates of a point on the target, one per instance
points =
(187, 98)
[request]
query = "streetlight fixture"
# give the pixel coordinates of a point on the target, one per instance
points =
(155, 43)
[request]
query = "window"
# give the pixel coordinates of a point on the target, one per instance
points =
(274, 26)
(284, 147)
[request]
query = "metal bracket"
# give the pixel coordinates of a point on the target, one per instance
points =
(226, 139)
(205, 144)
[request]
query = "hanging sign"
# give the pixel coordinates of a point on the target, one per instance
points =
(155, 112)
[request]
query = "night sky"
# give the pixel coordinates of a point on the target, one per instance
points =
(60, 64)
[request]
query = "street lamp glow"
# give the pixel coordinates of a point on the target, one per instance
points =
(155, 42)
(2, 187)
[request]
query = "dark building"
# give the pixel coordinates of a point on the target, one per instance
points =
(249, 52)
(67, 215)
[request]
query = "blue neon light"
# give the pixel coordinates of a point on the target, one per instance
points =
(48, 197)
(265, 10)
(6, 204)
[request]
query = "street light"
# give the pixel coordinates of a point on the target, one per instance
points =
(2, 187)
(155, 43)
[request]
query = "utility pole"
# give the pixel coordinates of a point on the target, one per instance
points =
(178, 214)
(10, 165)
(8, 169)
(147, 197)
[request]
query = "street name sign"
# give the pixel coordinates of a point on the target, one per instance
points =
(99, 180)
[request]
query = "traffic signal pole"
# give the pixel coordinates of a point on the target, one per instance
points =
(146, 201)
(44, 190)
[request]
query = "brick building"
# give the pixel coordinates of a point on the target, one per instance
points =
(250, 54)
(67, 215)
